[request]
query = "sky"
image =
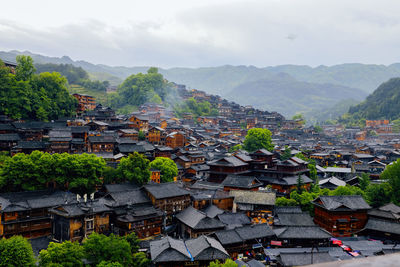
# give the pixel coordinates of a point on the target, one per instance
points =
(187, 33)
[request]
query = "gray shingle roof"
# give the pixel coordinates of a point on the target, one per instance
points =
(294, 219)
(252, 197)
(165, 190)
(168, 249)
(241, 181)
(383, 226)
(196, 219)
(34, 200)
(301, 232)
(206, 248)
(343, 202)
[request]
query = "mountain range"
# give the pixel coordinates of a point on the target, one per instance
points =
(288, 89)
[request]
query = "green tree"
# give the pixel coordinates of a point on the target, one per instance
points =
(66, 254)
(287, 154)
(257, 138)
(135, 168)
(79, 173)
(111, 248)
(300, 184)
(109, 264)
(235, 148)
(140, 260)
(25, 68)
(392, 175)
(300, 118)
(167, 167)
(141, 136)
(227, 263)
(27, 95)
(133, 241)
(282, 201)
(378, 194)
(140, 88)
(16, 251)
(364, 181)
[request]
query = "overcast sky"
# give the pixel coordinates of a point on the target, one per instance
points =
(174, 33)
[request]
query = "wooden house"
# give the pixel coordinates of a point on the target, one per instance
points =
(85, 102)
(193, 223)
(246, 238)
(139, 122)
(175, 140)
(341, 215)
(155, 176)
(27, 213)
(60, 140)
(145, 222)
(197, 252)
(221, 168)
(77, 221)
(103, 143)
(132, 134)
(156, 136)
(168, 197)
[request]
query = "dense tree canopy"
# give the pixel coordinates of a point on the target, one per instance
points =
(258, 138)
(26, 95)
(16, 251)
(191, 105)
(66, 254)
(392, 175)
(79, 173)
(134, 168)
(167, 167)
(111, 248)
(140, 88)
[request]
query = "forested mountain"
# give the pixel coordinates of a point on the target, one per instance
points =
(383, 103)
(288, 95)
(298, 88)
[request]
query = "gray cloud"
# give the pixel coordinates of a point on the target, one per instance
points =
(251, 33)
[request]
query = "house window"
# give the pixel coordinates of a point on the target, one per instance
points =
(89, 225)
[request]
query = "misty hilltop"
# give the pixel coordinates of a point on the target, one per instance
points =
(287, 89)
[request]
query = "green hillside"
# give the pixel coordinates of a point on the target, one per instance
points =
(383, 103)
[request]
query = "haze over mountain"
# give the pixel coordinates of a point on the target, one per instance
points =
(287, 89)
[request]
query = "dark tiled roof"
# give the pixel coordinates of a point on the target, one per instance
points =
(213, 211)
(343, 202)
(34, 199)
(206, 248)
(230, 218)
(32, 145)
(168, 249)
(196, 219)
(131, 197)
(385, 226)
(293, 219)
(288, 209)
(246, 182)
(228, 161)
(9, 137)
(301, 232)
(165, 190)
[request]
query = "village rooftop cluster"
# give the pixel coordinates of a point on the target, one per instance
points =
(222, 203)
